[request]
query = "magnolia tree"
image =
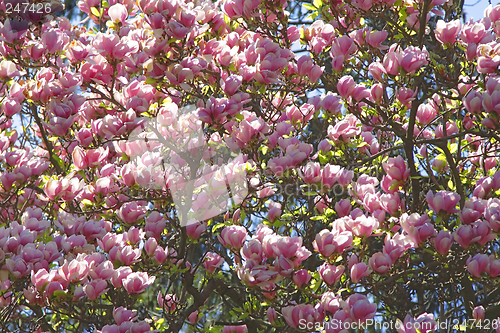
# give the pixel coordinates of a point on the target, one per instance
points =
(249, 166)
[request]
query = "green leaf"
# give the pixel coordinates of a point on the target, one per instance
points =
(95, 11)
(453, 147)
(394, 186)
(87, 202)
(322, 158)
(58, 161)
(277, 223)
(218, 226)
(308, 6)
(264, 149)
(328, 212)
(243, 316)
(429, 251)
(159, 322)
(318, 3)
(59, 293)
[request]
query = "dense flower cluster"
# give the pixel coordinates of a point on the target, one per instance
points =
(178, 164)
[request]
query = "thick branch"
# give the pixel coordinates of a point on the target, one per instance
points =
(45, 139)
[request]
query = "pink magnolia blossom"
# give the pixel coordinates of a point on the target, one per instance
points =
(483, 231)
(10, 107)
(306, 67)
(301, 277)
(343, 46)
(284, 266)
(473, 33)
(426, 114)
(345, 129)
(168, 302)
(443, 202)
(409, 60)
(417, 227)
(465, 236)
(122, 315)
(239, 8)
(136, 283)
(359, 271)
(235, 329)
(274, 211)
(473, 101)
(478, 313)
(493, 267)
(358, 308)
(391, 203)
(329, 242)
(118, 13)
(364, 226)
(8, 69)
(131, 212)
(311, 173)
(396, 168)
(380, 262)
(443, 242)
(40, 278)
(375, 38)
(232, 84)
(425, 322)
(330, 273)
(331, 302)
(271, 315)
(75, 270)
(446, 33)
(472, 211)
(194, 230)
(233, 237)
(126, 254)
(346, 86)
(451, 128)
(492, 213)
(95, 288)
(396, 246)
(477, 264)
(294, 314)
(331, 102)
(343, 207)
(376, 69)
(212, 261)
(252, 250)
(104, 270)
(193, 317)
